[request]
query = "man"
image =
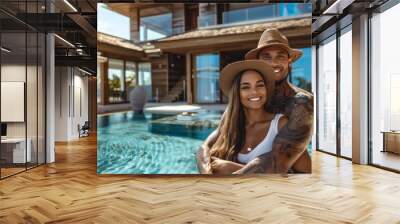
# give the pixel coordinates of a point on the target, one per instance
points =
(289, 151)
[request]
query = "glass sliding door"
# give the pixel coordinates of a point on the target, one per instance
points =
(346, 92)
(385, 89)
(326, 96)
(23, 90)
(207, 78)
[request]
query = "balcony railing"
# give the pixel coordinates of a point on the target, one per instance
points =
(265, 12)
(207, 20)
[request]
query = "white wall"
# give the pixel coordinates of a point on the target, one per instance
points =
(71, 102)
(33, 127)
(13, 73)
(62, 81)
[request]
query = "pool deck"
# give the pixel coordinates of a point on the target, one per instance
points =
(162, 108)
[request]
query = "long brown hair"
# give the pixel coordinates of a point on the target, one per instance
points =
(232, 129)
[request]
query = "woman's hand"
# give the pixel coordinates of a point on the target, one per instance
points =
(220, 166)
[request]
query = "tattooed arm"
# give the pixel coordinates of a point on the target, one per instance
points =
(290, 143)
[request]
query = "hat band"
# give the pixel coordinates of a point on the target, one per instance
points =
(265, 44)
(276, 41)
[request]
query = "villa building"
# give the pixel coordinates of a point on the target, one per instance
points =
(177, 50)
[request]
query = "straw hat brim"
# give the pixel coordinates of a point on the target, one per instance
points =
(294, 54)
(230, 71)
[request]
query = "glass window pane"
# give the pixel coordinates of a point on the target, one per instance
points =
(301, 70)
(130, 74)
(254, 12)
(207, 78)
(145, 79)
(327, 96)
(41, 99)
(155, 27)
(99, 75)
(116, 80)
(346, 94)
(14, 153)
(106, 20)
(385, 89)
(31, 98)
(207, 20)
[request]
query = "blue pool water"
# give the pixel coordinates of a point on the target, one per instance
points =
(133, 144)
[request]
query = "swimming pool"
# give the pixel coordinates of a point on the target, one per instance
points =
(129, 143)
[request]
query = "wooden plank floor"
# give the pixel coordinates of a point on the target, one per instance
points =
(70, 191)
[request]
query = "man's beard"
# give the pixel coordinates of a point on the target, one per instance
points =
(286, 76)
(282, 80)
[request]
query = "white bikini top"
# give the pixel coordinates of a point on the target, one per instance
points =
(265, 145)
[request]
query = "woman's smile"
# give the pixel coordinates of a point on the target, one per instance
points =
(253, 92)
(255, 99)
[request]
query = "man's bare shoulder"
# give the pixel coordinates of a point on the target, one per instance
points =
(303, 96)
(301, 102)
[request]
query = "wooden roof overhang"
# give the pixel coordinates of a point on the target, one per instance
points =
(116, 47)
(297, 31)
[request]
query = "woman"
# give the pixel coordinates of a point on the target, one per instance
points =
(248, 128)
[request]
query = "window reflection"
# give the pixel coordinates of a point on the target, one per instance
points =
(385, 89)
(155, 27)
(346, 94)
(145, 78)
(116, 80)
(15, 145)
(327, 96)
(130, 75)
(107, 20)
